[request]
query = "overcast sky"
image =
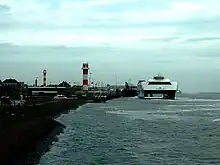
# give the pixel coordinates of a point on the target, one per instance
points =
(127, 39)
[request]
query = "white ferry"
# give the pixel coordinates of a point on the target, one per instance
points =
(157, 87)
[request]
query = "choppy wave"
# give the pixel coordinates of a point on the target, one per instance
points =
(132, 131)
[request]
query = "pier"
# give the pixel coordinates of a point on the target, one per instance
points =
(28, 112)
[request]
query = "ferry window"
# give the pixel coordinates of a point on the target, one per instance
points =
(159, 78)
(159, 83)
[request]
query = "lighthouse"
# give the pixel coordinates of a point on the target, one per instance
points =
(85, 69)
(44, 78)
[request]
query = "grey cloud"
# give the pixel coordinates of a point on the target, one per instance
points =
(131, 5)
(182, 39)
(3, 45)
(199, 25)
(8, 24)
(188, 26)
(10, 52)
(211, 53)
(115, 7)
(5, 22)
(191, 26)
(163, 39)
(5, 26)
(200, 39)
(4, 8)
(194, 24)
(10, 45)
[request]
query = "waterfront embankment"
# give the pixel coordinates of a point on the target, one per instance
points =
(21, 129)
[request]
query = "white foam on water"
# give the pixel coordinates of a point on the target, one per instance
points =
(179, 109)
(194, 105)
(159, 114)
(110, 107)
(187, 110)
(200, 109)
(118, 112)
(204, 100)
(188, 99)
(132, 98)
(145, 115)
(193, 109)
(197, 109)
(215, 120)
(72, 111)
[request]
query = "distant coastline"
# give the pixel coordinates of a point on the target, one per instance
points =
(201, 95)
(198, 93)
(208, 93)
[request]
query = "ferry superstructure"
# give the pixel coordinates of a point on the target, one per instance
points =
(157, 87)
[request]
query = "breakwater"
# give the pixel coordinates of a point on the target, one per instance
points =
(21, 129)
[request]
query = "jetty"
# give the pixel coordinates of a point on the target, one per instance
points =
(28, 112)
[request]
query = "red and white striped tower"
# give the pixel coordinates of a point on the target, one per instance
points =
(44, 78)
(85, 69)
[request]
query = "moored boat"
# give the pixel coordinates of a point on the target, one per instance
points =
(157, 87)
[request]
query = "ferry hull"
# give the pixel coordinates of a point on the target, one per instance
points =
(153, 94)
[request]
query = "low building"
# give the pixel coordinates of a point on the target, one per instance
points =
(64, 84)
(11, 83)
(11, 87)
(46, 91)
